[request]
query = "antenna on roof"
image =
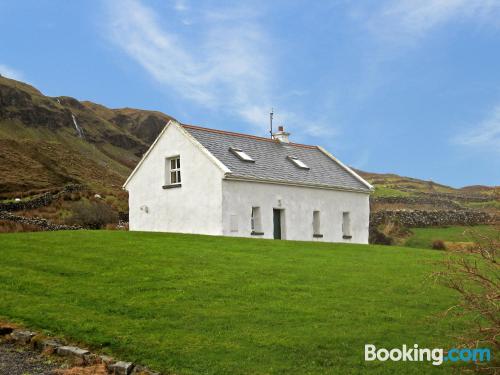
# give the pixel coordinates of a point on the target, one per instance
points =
(271, 114)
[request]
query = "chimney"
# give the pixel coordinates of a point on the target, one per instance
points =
(281, 135)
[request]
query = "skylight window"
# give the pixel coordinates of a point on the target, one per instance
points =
(298, 163)
(242, 154)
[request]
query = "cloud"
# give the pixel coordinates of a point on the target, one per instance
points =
(222, 63)
(486, 135)
(181, 6)
(225, 68)
(409, 20)
(392, 28)
(9, 72)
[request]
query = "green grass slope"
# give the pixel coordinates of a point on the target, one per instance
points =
(393, 185)
(43, 150)
(188, 304)
(424, 237)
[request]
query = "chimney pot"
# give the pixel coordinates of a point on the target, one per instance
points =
(281, 135)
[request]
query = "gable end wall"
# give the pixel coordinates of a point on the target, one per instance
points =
(195, 207)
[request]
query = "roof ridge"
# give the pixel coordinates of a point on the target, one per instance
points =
(243, 135)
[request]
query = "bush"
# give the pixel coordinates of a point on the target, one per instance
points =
(438, 245)
(474, 273)
(379, 238)
(7, 226)
(94, 215)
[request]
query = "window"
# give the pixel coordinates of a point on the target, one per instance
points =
(173, 171)
(256, 222)
(241, 154)
(346, 225)
(297, 162)
(316, 224)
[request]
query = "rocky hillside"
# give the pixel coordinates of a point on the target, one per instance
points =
(393, 192)
(48, 142)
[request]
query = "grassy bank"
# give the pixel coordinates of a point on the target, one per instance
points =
(191, 304)
(424, 237)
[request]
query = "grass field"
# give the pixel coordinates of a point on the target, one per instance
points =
(423, 237)
(189, 304)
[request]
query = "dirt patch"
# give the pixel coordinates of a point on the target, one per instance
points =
(15, 360)
(23, 360)
(459, 246)
(89, 370)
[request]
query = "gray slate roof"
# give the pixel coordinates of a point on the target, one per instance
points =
(271, 162)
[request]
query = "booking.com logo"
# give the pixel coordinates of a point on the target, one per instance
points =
(436, 356)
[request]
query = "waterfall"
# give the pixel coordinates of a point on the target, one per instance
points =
(77, 127)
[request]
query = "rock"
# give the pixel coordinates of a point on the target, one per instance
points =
(107, 360)
(91, 359)
(47, 344)
(421, 218)
(5, 330)
(121, 368)
(22, 337)
(72, 351)
(40, 222)
(39, 201)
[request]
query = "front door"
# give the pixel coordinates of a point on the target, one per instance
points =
(277, 223)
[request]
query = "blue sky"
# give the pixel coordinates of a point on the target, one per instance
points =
(408, 86)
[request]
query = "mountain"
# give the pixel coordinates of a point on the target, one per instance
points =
(49, 142)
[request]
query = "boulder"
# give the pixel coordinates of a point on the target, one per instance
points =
(121, 368)
(22, 337)
(72, 351)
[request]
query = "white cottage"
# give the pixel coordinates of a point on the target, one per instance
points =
(207, 181)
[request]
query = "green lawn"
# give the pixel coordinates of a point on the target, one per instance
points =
(423, 237)
(190, 304)
(384, 191)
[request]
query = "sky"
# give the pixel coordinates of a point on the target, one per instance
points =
(403, 86)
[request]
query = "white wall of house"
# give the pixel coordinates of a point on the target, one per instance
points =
(195, 207)
(298, 204)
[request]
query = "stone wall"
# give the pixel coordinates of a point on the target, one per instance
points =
(39, 222)
(419, 218)
(436, 201)
(40, 201)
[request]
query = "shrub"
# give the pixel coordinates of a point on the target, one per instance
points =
(379, 238)
(438, 245)
(7, 226)
(474, 273)
(94, 215)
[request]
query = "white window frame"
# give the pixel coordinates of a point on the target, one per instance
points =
(256, 220)
(346, 225)
(317, 224)
(298, 163)
(176, 170)
(242, 155)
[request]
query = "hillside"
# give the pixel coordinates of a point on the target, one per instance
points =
(390, 185)
(48, 142)
(188, 304)
(396, 192)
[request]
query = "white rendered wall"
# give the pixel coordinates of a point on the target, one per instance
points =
(298, 204)
(195, 207)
